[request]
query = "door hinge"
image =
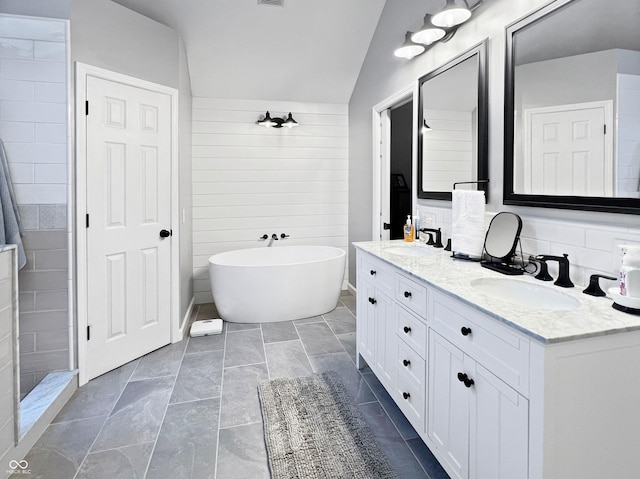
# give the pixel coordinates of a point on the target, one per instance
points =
(87, 220)
(88, 333)
(605, 129)
(86, 107)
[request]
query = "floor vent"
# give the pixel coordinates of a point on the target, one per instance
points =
(275, 3)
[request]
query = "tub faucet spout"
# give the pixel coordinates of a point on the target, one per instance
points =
(274, 237)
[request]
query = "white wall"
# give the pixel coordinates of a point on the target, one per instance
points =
(628, 139)
(382, 75)
(249, 180)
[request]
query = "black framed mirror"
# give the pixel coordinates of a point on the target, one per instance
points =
(453, 125)
(572, 124)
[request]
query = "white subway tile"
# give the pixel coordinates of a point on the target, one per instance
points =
(33, 28)
(16, 90)
(51, 133)
(50, 51)
(40, 194)
(36, 153)
(17, 132)
(21, 173)
(33, 112)
(12, 48)
(33, 71)
(50, 174)
(51, 92)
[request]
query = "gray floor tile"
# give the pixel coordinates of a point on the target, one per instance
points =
(311, 319)
(59, 452)
(242, 453)
(244, 347)
(162, 362)
(318, 339)
(242, 326)
(427, 460)
(349, 302)
(187, 441)
(351, 377)
(240, 404)
(348, 342)
(137, 415)
(396, 449)
(128, 462)
(279, 331)
(341, 321)
(215, 342)
(200, 377)
(287, 359)
(98, 396)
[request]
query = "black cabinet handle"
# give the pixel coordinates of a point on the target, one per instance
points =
(463, 378)
(372, 272)
(407, 294)
(406, 395)
(372, 301)
(406, 362)
(465, 331)
(407, 329)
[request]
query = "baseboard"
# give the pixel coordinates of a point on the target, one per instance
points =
(351, 289)
(183, 330)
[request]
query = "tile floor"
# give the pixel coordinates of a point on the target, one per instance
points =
(191, 409)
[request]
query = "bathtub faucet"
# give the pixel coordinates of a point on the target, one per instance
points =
(274, 237)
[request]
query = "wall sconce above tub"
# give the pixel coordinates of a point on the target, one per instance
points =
(439, 27)
(267, 121)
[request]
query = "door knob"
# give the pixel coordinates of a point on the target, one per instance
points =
(165, 233)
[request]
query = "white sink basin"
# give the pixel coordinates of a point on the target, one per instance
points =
(410, 250)
(525, 293)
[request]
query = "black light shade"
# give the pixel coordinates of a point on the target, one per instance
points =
(290, 122)
(267, 121)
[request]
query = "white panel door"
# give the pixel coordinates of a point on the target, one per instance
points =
(567, 151)
(128, 204)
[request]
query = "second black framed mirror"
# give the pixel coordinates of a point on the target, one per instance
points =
(453, 125)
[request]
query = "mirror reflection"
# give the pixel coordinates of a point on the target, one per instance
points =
(573, 122)
(452, 126)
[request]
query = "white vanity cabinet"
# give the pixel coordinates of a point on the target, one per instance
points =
(375, 337)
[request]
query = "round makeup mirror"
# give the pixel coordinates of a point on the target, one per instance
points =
(502, 236)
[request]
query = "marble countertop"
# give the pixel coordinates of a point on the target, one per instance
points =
(594, 316)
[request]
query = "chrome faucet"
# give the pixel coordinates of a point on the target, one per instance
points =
(438, 241)
(563, 269)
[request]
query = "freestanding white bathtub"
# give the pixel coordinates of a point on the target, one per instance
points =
(276, 284)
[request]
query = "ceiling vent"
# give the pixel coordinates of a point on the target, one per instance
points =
(275, 3)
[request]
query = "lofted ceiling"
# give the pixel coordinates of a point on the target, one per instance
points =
(305, 50)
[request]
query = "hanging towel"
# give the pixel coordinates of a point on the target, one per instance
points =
(467, 222)
(10, 225)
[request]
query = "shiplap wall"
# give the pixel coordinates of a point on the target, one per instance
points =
(249, 180)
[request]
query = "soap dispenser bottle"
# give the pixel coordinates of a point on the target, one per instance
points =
(630, 271)
(409, 230)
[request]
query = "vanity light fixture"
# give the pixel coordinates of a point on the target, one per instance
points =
(438, 27)
(409, 49)
(267, 121)
(452, 14)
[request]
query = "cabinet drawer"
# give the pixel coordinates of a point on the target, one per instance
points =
(411, 330)
(377, 272)
(410, 398)
(501, 350)
(411, 364)
(411, 294)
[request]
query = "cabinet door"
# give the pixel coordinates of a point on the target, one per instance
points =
(365, 322)
(499, 429)
(385, 348)
(448, 405)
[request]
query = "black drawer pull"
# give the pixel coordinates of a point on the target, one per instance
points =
(407, 329)
(372, 301)
(463, 378)
(465, 331)
(406, 363)
(372, 272)
(407, 294)
(406, 395)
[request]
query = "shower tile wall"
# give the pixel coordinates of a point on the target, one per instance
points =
(33, 127)
(250, 180)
